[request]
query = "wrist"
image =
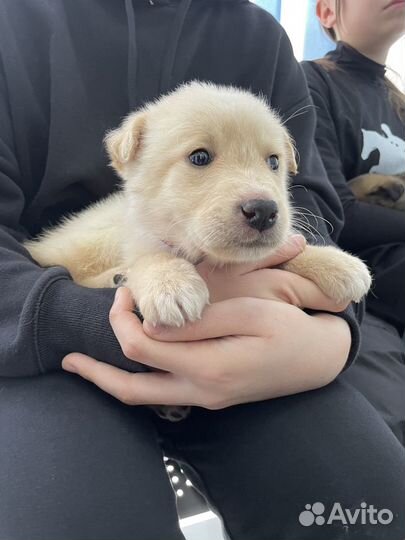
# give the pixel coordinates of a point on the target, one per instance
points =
(336, 333)
(353, 315)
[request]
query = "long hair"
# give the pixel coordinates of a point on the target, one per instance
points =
(396, 97)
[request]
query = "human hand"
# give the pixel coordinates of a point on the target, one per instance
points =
(263, 279)
(242, 350)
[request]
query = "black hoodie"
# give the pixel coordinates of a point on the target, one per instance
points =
(358, 132)
(70, 70)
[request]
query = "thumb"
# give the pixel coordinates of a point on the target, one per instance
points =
(290, 249)
(304, 293)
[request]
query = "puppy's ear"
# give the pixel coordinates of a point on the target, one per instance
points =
(122, 143)
(291, 156)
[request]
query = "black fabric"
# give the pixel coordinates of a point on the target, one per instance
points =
(379, 372)
(69, 71)
(359, 131)
(351, 98)
(386, 299)
(77, 464)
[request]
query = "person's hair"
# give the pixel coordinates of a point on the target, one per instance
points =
(396, 97)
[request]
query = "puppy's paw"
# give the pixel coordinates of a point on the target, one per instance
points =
(344, 278)
(172, 294)
(172, 413)
(119, 279)
(114, 277)
(339, 275)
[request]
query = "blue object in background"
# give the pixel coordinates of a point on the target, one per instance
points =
(274, 6)
(317, 43)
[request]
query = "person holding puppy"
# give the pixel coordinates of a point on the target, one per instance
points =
(361, 129)
(271, 429)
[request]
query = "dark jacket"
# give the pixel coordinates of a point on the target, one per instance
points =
(359, 131)
(68, 72)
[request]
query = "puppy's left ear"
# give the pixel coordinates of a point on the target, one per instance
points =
(123, 143)
(291, 156)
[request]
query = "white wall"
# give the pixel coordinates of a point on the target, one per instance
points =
(294, 20)
(396, 61)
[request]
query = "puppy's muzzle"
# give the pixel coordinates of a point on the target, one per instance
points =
(260, 214)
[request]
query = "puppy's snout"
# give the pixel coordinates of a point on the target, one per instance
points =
(260, 214)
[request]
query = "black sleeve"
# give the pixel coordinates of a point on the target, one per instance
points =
(387, 297)
(43, 314)
(374, 233)
(312, 194)
(384, 225)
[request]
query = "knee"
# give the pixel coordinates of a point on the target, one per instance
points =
(77, 452)
(327, 446)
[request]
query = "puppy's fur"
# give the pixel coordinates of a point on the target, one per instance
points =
(171, 213)
(384, 190)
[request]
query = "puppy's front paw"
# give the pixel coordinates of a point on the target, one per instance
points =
(171, 294)
(345, 279)
(339, 275)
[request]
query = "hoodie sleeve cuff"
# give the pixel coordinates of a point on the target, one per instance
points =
(349, 316)
(72, 318)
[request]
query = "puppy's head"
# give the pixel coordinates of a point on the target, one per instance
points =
(208, 168)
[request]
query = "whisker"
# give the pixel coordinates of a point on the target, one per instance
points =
(306, 226)
(310, 213)
(297, 113)
(297, 186)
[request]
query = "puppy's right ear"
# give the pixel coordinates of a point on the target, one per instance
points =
(291, 156)
(122, 143)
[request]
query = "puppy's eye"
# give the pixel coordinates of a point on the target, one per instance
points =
(272, 162)
(200, 157)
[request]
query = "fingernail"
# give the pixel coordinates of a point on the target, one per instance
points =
(68, 366)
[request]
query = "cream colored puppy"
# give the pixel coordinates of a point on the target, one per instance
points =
(205, 175)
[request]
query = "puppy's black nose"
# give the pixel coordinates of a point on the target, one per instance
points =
(260, 214)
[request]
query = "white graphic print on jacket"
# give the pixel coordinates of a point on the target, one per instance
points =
(390, 147)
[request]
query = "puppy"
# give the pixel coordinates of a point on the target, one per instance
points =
(205, 175)
(380, 189)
